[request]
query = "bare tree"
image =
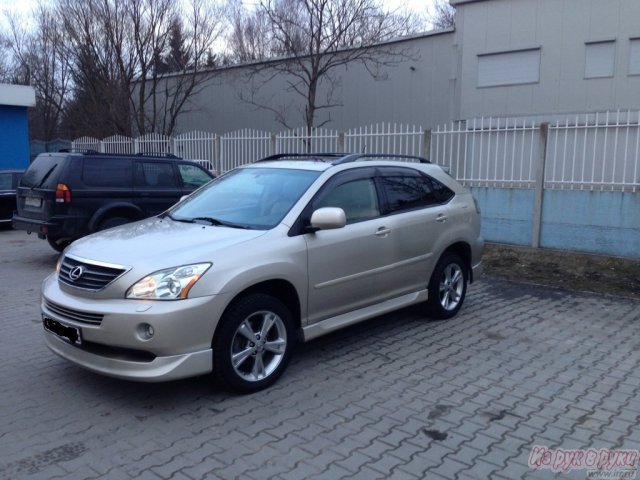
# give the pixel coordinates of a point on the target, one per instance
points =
(203, 26)
(123, 46)
(315, 39)
(249, 38)
(443, 15)
(39, 59)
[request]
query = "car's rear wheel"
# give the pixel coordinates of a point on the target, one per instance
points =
(447, 287)
(253, 344)
(59, 243)
(113, 222)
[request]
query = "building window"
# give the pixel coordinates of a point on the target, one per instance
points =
(509, 68)
(634, 56)
(600, 59)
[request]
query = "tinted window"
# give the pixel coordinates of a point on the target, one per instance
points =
(107, 172)
(155, 175)
(442, 194)
(5, 181)
(43, 172)
(409, 190)
(357, 198)
(192, 176)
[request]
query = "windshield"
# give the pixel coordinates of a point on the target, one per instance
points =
(256, 198)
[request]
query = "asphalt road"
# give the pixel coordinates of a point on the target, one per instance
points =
(400, 396)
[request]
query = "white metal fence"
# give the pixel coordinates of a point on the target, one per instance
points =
(579, 152)
(587, 152)
(222, 153)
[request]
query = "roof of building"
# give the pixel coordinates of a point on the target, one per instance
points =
(17, 95)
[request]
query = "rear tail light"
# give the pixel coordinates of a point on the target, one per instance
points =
(63, 194)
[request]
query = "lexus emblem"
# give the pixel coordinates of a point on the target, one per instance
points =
(75, 273)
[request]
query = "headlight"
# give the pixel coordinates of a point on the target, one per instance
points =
(170, 284)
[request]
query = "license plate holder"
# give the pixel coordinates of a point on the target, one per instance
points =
(34, 202)
(67, 333)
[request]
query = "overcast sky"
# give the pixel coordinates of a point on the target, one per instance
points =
(24, 7)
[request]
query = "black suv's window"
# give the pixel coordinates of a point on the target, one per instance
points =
(5, 181)
(192, 176)
(155, 175)
(43, 172)
(106, 172)
(407, 189)
(357, 198)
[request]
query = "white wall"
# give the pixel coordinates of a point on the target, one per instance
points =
(560, 28)
(420, 90)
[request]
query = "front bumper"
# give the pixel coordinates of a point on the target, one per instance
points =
(115, 346)
(160, 369)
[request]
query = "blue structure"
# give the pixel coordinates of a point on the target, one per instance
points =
(14, 126)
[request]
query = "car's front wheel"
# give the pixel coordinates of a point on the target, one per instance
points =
(253, 344)
(448, 286)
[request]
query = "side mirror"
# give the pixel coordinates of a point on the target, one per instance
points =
(328, 218)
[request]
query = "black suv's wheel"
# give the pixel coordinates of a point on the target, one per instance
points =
(59, 243)
(448, 286)
(254, 342)
(113, 222)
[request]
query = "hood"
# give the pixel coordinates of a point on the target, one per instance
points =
(157, 243)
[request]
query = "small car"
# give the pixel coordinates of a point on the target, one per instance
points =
(66, 195)
(279, 251)
(8, 183)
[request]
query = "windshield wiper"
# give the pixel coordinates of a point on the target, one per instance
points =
(216, 222)
(44, 179)
(176, 219)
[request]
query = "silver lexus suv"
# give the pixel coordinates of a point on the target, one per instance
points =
(279, 251)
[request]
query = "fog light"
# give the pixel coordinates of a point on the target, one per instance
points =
(145, 331)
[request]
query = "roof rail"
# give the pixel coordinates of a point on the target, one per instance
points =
(340, 158)
(84, 151)
(353, 157)
(301, 156)
(156, 154)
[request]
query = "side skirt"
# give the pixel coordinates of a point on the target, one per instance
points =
(334, 323)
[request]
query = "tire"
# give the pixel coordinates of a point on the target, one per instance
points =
(59, 243)
(113, 222)
(447, 287)
(244, 358)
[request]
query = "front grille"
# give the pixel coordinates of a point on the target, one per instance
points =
(75, 315)
(88, 275)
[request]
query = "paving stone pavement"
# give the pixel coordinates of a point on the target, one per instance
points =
(398, 397)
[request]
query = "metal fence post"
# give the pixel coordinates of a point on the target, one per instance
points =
(539, 185)
(341, 142)
(217, 154)
(426, 144)
(273, 144)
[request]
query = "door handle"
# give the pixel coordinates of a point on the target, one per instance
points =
(441, 218)
(383, 232)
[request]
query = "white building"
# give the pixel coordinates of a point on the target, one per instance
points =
(504, 58)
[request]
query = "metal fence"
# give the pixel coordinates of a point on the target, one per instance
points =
(587, 152)
(221, 153)
(580, 152)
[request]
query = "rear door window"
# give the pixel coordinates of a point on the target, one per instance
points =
(407, 189)
(107, 172)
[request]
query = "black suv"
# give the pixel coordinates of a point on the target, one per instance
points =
(66, 195)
